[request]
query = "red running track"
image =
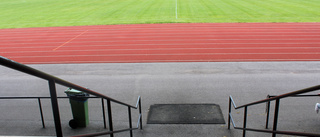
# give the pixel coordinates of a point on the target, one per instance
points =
(204, 42)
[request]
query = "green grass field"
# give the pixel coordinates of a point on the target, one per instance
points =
(43, 13)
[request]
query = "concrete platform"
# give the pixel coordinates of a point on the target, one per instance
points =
(164, 83)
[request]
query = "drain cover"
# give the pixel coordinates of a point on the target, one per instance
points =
(185, 114)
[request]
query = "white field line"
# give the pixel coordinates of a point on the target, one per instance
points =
(205, 28)
(176, 9)
(5, 35)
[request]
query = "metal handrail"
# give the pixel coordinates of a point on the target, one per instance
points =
(283, 96)
(52, 80)
(274, 131)
(26, 69)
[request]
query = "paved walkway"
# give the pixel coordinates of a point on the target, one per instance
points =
(164, 83)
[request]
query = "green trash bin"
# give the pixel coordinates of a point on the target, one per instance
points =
(79, 106)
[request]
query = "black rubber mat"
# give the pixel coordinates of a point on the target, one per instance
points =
(185, 114)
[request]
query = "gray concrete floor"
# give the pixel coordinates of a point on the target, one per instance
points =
(164, 83)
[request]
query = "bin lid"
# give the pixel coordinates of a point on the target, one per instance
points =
(73, 91)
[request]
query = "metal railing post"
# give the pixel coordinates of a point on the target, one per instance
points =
(229, 119)
(245, 121)
(55, 108)
(140, 113)
(276, 114)
(103, 113)
(41, 113)
(130, 121)
(110, 116)
(268, 112)
(268, 115)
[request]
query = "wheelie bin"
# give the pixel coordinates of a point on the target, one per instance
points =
(79, 106)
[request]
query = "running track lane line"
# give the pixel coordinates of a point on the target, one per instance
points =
(202, 42)
(70, 40)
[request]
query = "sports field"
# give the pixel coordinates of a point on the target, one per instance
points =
(44, 13)
(200, 30)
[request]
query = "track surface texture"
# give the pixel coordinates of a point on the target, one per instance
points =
(195, 42)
